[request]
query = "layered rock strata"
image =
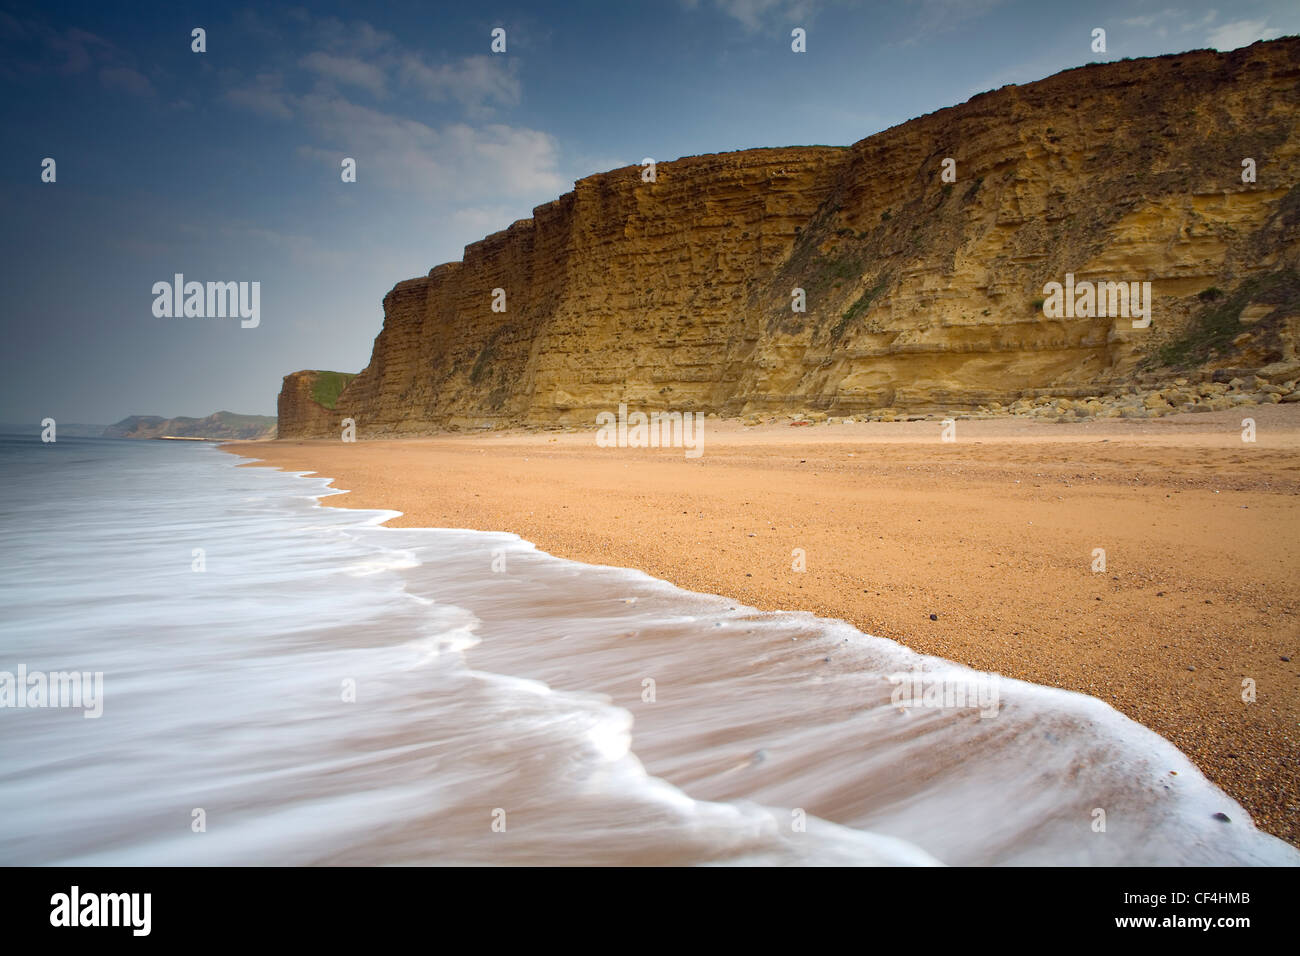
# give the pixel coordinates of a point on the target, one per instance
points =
(920, 295)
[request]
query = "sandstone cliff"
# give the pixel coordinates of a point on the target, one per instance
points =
(307, 404)
(921, 295)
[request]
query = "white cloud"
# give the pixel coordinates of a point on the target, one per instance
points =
(356, 55)
(79, 49)
(263, 96)
(749, 13)
(1153, 18)
(125, 80)
(592, 163)
(358, 37)
(755, 15)
(473, 82)
(1240, 33)
(487, 165)
(253, 24)
(458, 161)
(42, 49)
(346, 71)
(482, 220)
(301, 250)
(943, 16)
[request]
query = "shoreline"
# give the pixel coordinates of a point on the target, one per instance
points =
(993, 535)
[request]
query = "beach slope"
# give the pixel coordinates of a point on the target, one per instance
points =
(985, 550)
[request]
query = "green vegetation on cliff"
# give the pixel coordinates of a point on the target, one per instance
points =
(328, 387)
(1214, 328)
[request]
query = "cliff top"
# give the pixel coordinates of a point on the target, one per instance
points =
(1125, 72)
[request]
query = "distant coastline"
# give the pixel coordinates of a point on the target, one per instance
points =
(216, 427)
(219, 426)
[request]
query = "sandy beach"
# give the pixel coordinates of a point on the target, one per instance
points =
(981, 550)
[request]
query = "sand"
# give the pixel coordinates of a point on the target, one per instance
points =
(979, 550)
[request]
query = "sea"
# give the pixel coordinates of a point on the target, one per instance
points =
(266, 681)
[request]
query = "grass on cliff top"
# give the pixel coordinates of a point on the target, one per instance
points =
(328, 387)
(1217, 324)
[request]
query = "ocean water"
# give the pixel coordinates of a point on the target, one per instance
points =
(329, 691)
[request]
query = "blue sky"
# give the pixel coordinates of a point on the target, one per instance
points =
(224, 165)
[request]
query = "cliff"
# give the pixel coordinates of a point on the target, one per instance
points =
(921, 294)
(219, 425)
(307, 404)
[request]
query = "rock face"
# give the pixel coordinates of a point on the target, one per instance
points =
(921, 295)
(306, 408)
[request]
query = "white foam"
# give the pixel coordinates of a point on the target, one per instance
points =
(521, 691)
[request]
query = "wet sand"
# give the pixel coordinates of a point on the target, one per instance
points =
(993, 536)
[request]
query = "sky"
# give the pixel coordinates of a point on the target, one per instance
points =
(225, 165)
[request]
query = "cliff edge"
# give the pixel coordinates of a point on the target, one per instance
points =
(920, 294)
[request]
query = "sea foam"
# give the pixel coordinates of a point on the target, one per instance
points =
(329, 690)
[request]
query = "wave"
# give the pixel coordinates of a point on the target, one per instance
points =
(331, 691)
